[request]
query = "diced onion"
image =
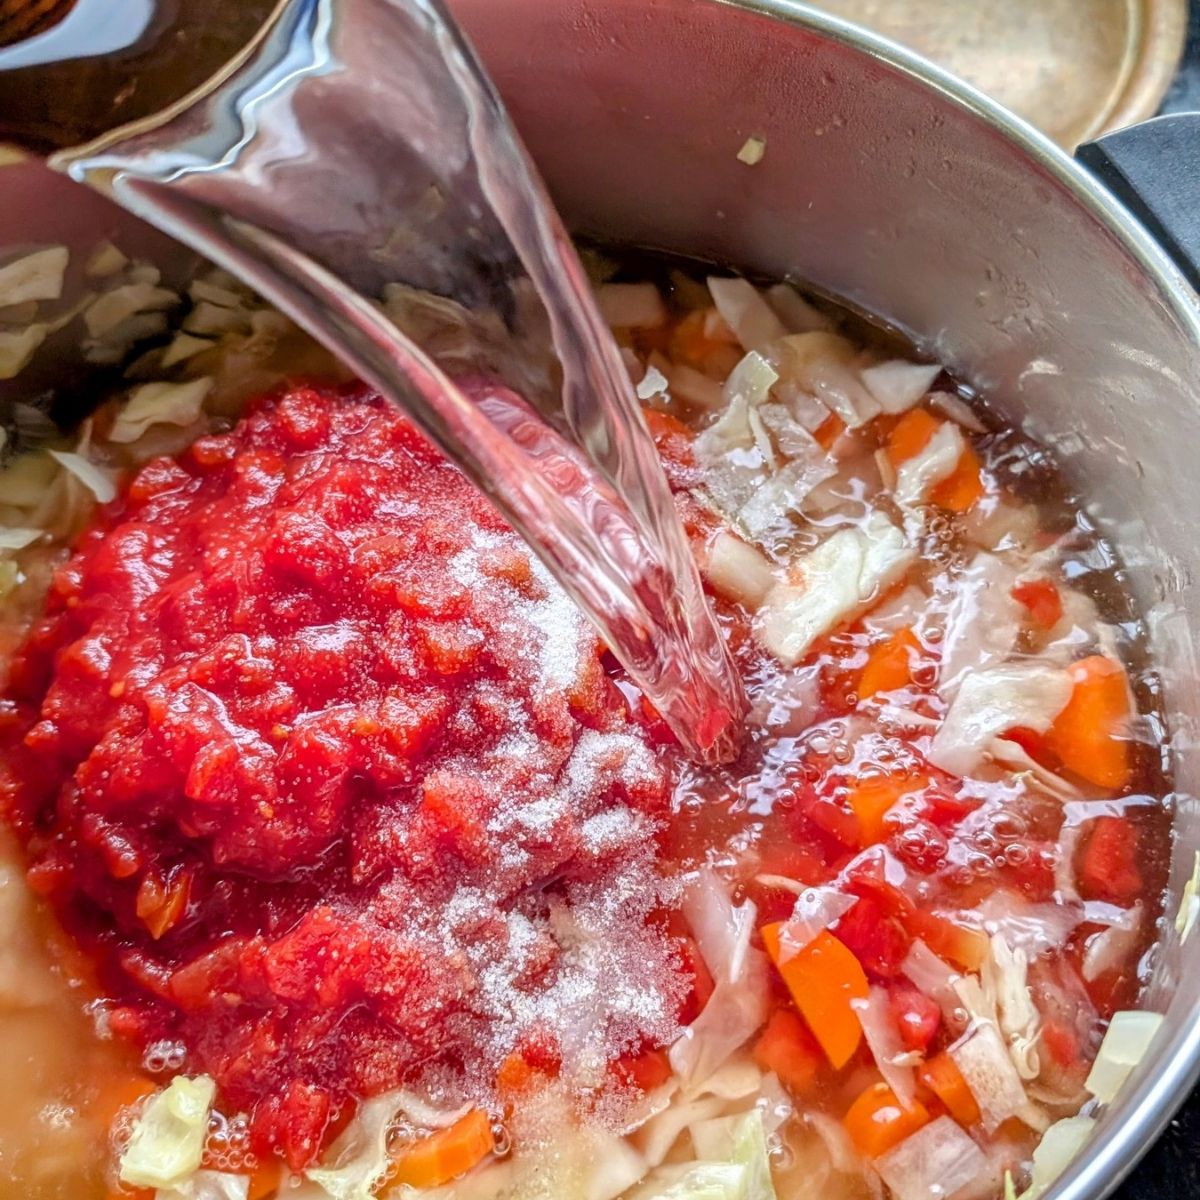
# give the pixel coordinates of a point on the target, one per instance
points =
(794, 311)
(631, 305)
(17, 347)
(752, 151)
(737, 570)
(167, 1142)
(1126, 1041)
(899, 385)
(938, 1160)
(36, 276)
(751, 318)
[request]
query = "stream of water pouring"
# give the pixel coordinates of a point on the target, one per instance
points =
(358, 145)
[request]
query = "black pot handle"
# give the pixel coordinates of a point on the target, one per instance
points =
(1154, 170)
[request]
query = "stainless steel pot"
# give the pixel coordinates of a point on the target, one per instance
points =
(890, 184)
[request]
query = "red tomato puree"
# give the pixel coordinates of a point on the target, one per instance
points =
(331, 783)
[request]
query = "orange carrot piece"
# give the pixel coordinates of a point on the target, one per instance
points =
(877, 1121)
(1088, 735)
(787, 1047)
(829, 431)
(890, 663)
(120, 1093)
(963, 487)
(943, 1078)
(823, 978)
(871, 799)
(964, 948)
(445, 1155)
(911, 435)
(265, 1179)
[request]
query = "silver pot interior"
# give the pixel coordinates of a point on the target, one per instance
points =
(891, 186)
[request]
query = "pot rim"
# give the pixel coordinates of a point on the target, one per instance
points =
(1162, 1084)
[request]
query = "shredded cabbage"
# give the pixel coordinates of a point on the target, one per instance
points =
(733, 1165)
(208, 1185)
(167, 1142)
(631, 305)
(751, 318)
(113, 308)
(106, 259)
(13, 538)
(101, 483)
(992, 701)
(1006, 971)
(17, 347)
(835, 582)
(36, 276)
(883, 1039)
(916, 477)
(159, 404)
(1126, 1041)
(983, 1060)
(358, 1159)
(1055, 1152)
(982, 621)
(823, 364)
(752, 379)
(1189, 903)
(794, 311)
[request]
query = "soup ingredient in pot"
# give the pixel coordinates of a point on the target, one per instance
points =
(365, 836)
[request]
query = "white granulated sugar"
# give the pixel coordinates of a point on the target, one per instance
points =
(609, 829)
(565, 631)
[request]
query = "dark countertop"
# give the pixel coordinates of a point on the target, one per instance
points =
(1171, 1169)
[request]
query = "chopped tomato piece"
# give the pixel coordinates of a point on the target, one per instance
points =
(916, 1016)
(943, 1078)
(643, 1071)
(787, 1047)
(1042, 599)
(702, 980)
(877, 1121)
(890, 664)
(264, 1179)
(877, 940)
(1109, 870)
(1061, 1041)
(823, 979)
(1090, 734)
(445, 1155)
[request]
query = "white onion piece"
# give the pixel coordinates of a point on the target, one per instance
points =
(1059, 1147)
(794, 311)
(983, 1059)
(957, 410)
(424, 1115)
(883, 1039)
(1126, 1041)
(36, 276)
(992, 701)
(736, 570)
(751, 318)
(939, 1160)
(631, 305)
(653, 383)
(792, 438)
(899, 385)
(101, 483)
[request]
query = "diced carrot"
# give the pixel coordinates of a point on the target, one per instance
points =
(963, 487)
(943, 1078)
(911, 435)
(1109, 869)
(964, 948)
(890, 663)
(643, 1071)
(120, 1093)
(1042, 599)
(264, 1179)
(871, 799)
(517, 1077)
(823, 978)
(787, 1047)
(829, 431)
(1089, 734)
(877, 1121)
(445, 1155)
